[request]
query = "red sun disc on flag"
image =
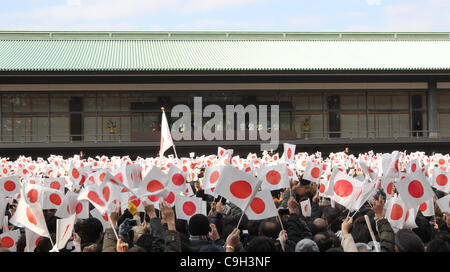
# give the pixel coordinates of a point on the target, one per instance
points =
(153, 198)
(75, 173)
(106, 191)
(441, 161)
(178, 179)
(396, 212)
(102, 176)
(55, 199)
(306, 207)
(415, 189)
(389, 188)
(33, 195)
(414, 167)
(154, 186)
(241, 189)
(257, 205)
(289, 153)
(423, 207)
(55, 185)
(343, 188)
(189, 208)
(79, 207)
(119, 177)
(214, 177)
(441, 180)
(407, 215)
(38, 240)
(273, 177)
(9, 186)
(170, 198)
(30, 216)
(93, 196)
(315, 172)
(321, 188)
(396, 165)
(7, 242)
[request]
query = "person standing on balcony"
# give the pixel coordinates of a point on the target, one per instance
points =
(307, 128)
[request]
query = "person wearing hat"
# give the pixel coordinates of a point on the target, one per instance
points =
(408, 241)
(201, 232)
(306, 245)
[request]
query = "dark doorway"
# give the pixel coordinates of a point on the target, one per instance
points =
(334, 120)
(76, 121)
(417, 117)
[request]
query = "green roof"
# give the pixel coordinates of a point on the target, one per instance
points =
(160, 51)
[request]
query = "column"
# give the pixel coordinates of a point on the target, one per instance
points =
(432, 110)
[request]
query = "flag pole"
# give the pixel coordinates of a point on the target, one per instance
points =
(249, 201)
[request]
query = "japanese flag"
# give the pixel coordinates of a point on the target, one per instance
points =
(414, 190)
(221, 151)
(427, 208)
(33, 193)
(444, 203)
(396, 212)
(154, 182)
(171, 198)
(440, 180)
(261, 206)
(71, 205)
(313, 172)
(4, 171)
(306, 208)
(94, 194)
(390, 165)
(236, 186)
(52, 199)
(410, 219)
(166, 137)
(186, 207)
(211, 176)
(274, 177)
(328, 189)
(414, 166)
(176, 179)
(32, 240)
(64, 228)
(9, 240)
(347, 190)
(55, 183)
(3, 203)
(292, 174)
(30, 216)
(9, 186)
(289, 152)
(77, 176)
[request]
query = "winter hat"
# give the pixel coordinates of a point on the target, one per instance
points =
(306, 245)
(407, 241)
(211, 248)
(199, 225)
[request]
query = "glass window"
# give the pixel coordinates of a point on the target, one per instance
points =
(353, 125)
(59, 103)
(90, 129)
(39, 103)
(22, 129)
(444, 101)
(444, 124)
(110, 102)
(309, 126)
(59, 126)
(39, 129)
(7, 129)
(89, 103)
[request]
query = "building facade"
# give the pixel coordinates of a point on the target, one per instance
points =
(101, 92)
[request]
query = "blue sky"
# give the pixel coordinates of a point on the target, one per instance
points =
(259, 15)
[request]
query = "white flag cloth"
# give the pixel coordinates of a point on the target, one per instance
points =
(427, 208)
(289, 152)
(52, 199)
(261, 206)
(64, 228)
(444, 203)
(347, 190)
(166, 137)
(104, 219)
(153, 183)
(32, 240)
(9, 186)
(211, 176)
(305, 206)
(94, 194)
(440, 180)
(3, 203)
(396, 212)
(236, 186)
(410, 219)
(186, 207)
(414, 190)
(313, 172)
(176, 179)
(55, 183)
(274, 177)
(30, 216)
(9, 240)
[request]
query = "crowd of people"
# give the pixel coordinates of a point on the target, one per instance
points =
(330, 227)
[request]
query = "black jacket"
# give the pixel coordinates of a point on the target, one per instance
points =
(297, 229)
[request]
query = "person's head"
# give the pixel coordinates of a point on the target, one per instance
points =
(424, 229)
(199, 225)
(90, 230)
(438, 245)
(363, 247)
(360, 232)
(306, 245)
(261, 244)
(181, 226)
(331, 216)
(323, 241)
(145, 241)
(407, 241)
(319, 225)
(269, 228)
(253, 227)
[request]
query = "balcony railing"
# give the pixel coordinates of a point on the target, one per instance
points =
(283, 135)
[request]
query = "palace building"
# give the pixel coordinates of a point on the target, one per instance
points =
(102, 92)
